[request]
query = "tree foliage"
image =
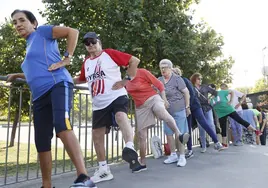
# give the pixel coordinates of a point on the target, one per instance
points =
(151, 30)
(260, 85)
(12, 51)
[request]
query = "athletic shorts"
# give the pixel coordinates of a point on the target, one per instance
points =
(104, 117)
(52, 110)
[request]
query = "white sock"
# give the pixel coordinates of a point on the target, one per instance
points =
(130, 145)
(173, 153)
(103, 164)
(182, 155)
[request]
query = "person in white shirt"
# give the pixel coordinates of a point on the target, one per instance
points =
(237, 131)
(101, 70)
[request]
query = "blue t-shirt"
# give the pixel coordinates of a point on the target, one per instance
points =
(41, 52)
(248, 115)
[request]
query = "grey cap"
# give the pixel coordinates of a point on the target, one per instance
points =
(91, 35)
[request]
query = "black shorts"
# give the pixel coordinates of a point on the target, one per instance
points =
(104, 117)
(52, 110)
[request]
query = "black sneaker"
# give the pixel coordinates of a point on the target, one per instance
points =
(83, 181)
(184, 138)
(189, 154)
(131, 156)
(139, 169)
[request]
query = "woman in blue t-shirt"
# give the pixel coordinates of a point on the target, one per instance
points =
(52, 90)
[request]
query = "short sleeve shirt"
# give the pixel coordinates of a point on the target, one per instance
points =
(41, 52)
(174, 94)
(101, 73)
(222, 108)
(235, 101)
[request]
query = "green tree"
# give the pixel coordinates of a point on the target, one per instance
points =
(260, 85)
(151, 30)
(244, 89)
(12, 51)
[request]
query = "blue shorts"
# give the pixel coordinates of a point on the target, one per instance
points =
(52, 110)
(181, 122)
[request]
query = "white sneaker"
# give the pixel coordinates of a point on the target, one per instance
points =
(203, 150)
(171, 159)
(181, 162)
(102, 174)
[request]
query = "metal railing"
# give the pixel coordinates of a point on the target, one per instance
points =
(19, 163)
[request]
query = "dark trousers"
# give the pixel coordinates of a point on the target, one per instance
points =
(263, 137)
(235, 116)
(198, 114)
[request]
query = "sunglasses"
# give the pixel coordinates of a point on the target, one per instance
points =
(200, 79)
(90, 41)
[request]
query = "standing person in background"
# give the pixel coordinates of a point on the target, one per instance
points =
(224, 109)
(235, 126)
(198, 115)
(52, 91)
(263, 126)
(259, 116)
(249, 137)
(202, 92)
(179, 99)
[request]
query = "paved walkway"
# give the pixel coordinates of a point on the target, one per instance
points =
(237, 167)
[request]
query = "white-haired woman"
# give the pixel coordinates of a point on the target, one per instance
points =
(179, 99)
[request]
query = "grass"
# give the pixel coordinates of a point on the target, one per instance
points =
(62, 164)
(23, 158)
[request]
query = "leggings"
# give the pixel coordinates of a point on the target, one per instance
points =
(235, 116)
(198, 114)
(263, 136)
(190, 142)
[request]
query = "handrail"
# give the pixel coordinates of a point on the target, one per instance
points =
(20, 80)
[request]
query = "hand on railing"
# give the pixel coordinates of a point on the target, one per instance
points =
(12, 77)
(16, 77)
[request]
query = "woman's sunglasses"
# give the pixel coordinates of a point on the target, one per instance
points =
(90, 41)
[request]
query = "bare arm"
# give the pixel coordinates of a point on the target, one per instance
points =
(20, 75)
(163, 95)
(133, 65)
(243, 99)
(186, 93)
(256, 119)
(14, 76)
(232, 96)
(260, 115)
(69, 33)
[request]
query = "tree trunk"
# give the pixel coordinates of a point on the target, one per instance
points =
(14, 128)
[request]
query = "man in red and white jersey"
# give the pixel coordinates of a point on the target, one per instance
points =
(101, 70)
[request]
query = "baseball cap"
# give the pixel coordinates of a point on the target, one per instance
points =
(91, 35)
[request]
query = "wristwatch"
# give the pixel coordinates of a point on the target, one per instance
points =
(67, 55)
(127, 77)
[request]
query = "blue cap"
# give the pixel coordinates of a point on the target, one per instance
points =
(91, 35)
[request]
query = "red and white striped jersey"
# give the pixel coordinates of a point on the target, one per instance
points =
(101, 73)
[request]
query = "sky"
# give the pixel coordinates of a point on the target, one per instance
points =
(242, 23)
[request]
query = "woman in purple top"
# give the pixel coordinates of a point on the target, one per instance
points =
(52, 90)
